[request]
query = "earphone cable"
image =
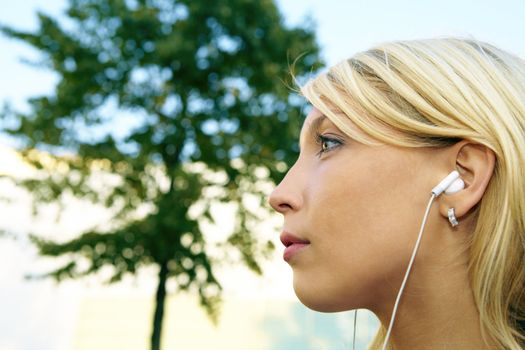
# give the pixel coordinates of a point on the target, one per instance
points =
(355, 326)
(412, 258)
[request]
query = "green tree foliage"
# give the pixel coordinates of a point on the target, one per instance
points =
(172, 105)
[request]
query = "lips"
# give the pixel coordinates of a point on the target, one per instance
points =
(293, 245)
(288, 239)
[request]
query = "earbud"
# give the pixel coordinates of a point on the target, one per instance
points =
(456, 186)
(450, 184)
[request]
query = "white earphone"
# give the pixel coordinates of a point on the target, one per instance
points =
(450, 184)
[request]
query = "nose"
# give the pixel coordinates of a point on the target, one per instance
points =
(287, 197)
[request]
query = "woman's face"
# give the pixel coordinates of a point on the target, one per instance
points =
(360, 208)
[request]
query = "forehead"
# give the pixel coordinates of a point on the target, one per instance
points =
(313, 120)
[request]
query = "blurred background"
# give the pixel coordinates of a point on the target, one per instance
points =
(139, 141)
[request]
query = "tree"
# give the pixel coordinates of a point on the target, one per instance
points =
(205, 84)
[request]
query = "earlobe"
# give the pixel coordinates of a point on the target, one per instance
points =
(475, 164)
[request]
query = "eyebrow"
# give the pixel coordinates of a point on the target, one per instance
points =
(313, 127)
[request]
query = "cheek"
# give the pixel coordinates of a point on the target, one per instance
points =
(361, 225)
(362, 199)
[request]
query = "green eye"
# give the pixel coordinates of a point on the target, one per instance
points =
(326, 144)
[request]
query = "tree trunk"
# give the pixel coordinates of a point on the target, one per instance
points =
(159, 307)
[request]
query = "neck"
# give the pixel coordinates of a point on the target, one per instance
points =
(437, 309)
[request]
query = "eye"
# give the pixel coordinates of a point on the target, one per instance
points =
(326, 143)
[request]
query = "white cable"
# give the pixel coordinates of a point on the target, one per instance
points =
(355, 324)
(407, 272)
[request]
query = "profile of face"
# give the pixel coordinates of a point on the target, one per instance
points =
(360, 208)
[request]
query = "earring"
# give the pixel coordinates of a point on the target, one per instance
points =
(452, 217)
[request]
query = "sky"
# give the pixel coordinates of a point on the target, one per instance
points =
(343, 27)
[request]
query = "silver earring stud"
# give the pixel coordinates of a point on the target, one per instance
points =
(452, 217)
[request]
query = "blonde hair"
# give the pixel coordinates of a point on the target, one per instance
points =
(433, 93)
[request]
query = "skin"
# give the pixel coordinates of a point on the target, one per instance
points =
(361, 208)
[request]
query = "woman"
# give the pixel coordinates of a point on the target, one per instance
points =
(386, 126)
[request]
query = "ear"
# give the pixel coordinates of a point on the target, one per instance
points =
(475, 164)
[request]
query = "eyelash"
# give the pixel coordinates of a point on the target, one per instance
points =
(321, 140)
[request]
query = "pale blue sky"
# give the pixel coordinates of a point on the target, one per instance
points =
(343, 27)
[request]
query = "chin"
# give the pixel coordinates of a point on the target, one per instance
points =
(318, 301)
